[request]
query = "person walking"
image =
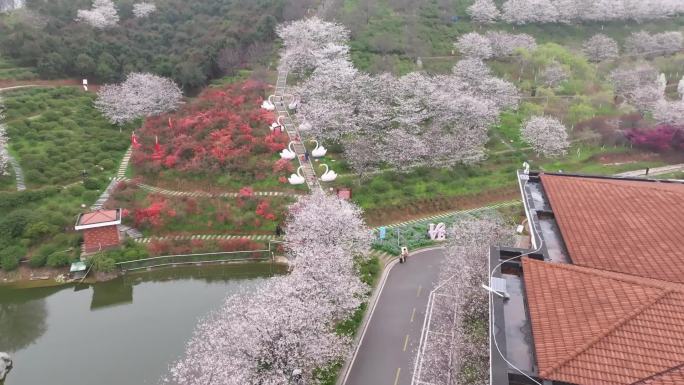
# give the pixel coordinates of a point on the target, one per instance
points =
(306, 155)
(278, 230)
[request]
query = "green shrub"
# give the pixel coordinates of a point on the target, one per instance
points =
(102, 263)
(59, 259)
(91, 184)
(10, 256)
(9, 263)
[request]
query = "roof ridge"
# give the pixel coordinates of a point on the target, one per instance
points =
(609, 330)
(672, 369)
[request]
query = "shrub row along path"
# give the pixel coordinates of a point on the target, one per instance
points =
(292, 131)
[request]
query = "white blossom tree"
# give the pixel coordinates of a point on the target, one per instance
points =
(546, 135)
(600, 47)
(554, 75)
(671, 112)
(309, 42)
(103, 14)
(643, 43)
(140, 95)
(627, 78)
(680, 88)
(4, 155)
(143, 9)
(529, 11)
(474, 45)
(287, 324)
(506, 44)
(483, 11)
(462, 303)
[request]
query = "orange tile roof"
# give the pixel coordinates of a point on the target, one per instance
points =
(630, 227)
(593, 327)
(99, 216)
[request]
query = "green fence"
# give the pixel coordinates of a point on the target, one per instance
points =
(197, 259)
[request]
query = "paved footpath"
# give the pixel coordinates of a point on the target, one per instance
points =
(388, 346)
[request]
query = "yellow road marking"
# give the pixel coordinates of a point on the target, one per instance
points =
(413, 314)
(405, 342)
(419, 289)
(396, 378)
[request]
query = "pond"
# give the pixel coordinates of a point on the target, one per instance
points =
(126, 331)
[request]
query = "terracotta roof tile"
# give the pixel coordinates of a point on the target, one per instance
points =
(630, 227)
(594, 327)
(99, 216)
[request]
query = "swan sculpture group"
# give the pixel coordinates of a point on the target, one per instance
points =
(268, 104)
(296, 178)
(288, 153)
(277, 124)
(319, 151)
(328, 175)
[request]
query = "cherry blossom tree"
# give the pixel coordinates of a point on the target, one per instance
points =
(546, 135)
(670, 112)
(600, 47)
(554, 74)
(627, 78)
(474, 45)
(140, 95)
(143, 9)
(4, 156)
(506, 44)
(461, 302)
(483, 11)
(309, 42)
(529, 11)
(643, 43)
(102, 15)
(286, 326)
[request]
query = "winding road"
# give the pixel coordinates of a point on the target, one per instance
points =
(388, 344)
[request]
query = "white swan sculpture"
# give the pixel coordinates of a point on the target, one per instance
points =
(288, 153)
(319, 151)
(294, 103)
(277, 124)
(296, 178)
(328, 175)
(268, 104)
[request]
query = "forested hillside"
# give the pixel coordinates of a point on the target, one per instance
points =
(189, 41)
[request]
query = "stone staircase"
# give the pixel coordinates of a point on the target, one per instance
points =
(121, 173)
(18, 173)
(292, 131)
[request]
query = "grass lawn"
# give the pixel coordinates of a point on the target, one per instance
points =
(56, 134)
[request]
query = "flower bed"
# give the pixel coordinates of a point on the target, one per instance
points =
(221, 139)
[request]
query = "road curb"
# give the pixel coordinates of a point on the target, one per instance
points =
(349, 362)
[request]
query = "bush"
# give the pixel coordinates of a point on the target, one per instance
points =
(10, 256)
(8, 262)
(103, 264)
(59, 259)
(91, 184)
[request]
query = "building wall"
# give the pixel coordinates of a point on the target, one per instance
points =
(100, 238)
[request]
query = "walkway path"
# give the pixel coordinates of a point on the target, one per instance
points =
(653, 171)
(18, 172)
(254, 237)
(121, 173)
(205, 194)
(389, 342)
(292, 130)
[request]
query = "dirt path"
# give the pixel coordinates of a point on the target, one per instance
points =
(7, 85)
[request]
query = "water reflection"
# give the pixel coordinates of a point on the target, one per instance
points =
(126, 331)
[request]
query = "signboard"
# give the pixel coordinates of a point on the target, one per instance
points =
(437, 232)
(382, 232)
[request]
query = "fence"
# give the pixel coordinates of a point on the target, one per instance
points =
(197, 259)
